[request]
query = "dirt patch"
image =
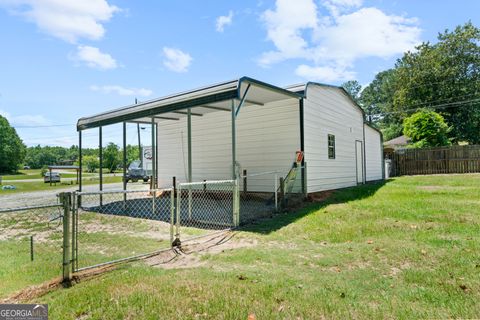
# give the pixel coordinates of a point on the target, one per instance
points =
(190, 254)
(319, 196)
(33, 292)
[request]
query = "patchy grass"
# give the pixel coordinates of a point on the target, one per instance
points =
(406, 249)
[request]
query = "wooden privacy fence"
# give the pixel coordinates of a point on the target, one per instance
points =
(452, 159)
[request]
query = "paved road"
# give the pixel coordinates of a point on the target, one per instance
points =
(7, 181)
(44, 197)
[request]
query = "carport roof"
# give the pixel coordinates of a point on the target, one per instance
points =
(212, 98)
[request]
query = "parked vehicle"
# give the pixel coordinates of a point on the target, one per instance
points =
(136, 172)
(54, 177)
(26, 168)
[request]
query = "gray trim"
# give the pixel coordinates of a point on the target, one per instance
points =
(159, 110)
(188, 112)
(216, 108)
(216, 93)
(166, 118)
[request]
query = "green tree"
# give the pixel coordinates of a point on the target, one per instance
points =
(90, 162)
(377, 98)
(446, 77)
(111, 157)
(426, 128)
(12, 149)
(132, 153)
(353, 88)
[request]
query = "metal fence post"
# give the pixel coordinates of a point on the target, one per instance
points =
(276, 192)
(236, 203)
(179, 209)
(172, 214)
(305, 181)
(282, 193)
(66, 201)
(154, 198)
(74, 207)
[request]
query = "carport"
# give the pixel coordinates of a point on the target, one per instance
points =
(229, 96)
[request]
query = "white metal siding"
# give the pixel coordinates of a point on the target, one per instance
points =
(373, 153)
(267, 138)
(329, 111)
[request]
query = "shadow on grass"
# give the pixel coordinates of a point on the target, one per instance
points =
(278, 221)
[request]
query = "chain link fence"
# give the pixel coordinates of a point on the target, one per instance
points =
(265, 193)
(113, 226)
(203, 207)
(82, 230)
(31, 241)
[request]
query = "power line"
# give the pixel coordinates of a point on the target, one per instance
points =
(43, 126)
(439, 106)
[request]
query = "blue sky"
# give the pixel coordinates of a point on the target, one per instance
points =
(64, 59)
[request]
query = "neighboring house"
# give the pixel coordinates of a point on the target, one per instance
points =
(397, 143)
(216, 132)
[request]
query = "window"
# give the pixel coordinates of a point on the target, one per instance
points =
(331, 146)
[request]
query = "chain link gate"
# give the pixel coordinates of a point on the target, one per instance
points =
(116, 226)
(33, 238)
(206, 207)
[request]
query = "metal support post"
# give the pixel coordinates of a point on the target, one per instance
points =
(100, 155)
(124, 163)
(282, 193)
(154, 159)
(189, 145)
(80, 161)
(234, 143)
(66, 200)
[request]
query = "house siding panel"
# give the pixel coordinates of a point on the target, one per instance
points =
(373, 154)
(329, 111)
(267, 138)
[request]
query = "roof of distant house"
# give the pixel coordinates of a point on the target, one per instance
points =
(398, 141)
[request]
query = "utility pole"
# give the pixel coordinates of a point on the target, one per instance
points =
(139, 141)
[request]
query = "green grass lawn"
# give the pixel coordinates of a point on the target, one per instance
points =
(406, 249)
(40, 185)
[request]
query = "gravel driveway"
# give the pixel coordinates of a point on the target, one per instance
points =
(33, 198)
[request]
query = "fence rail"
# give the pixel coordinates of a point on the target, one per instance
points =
(452, 159)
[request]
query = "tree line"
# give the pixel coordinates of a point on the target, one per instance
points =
(14, 154)
(436, 84)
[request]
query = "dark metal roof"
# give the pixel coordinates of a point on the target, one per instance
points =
(219, 95)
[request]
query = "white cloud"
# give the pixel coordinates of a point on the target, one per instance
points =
(94, 58)
(68, 20)
(140, 92)
(176, 60)
(327, 74)
(285, 25)
(332, 43)
(26, 119)
(223, 21)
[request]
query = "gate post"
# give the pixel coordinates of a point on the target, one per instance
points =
(172, 214)
(236, 203)
(66, 202)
